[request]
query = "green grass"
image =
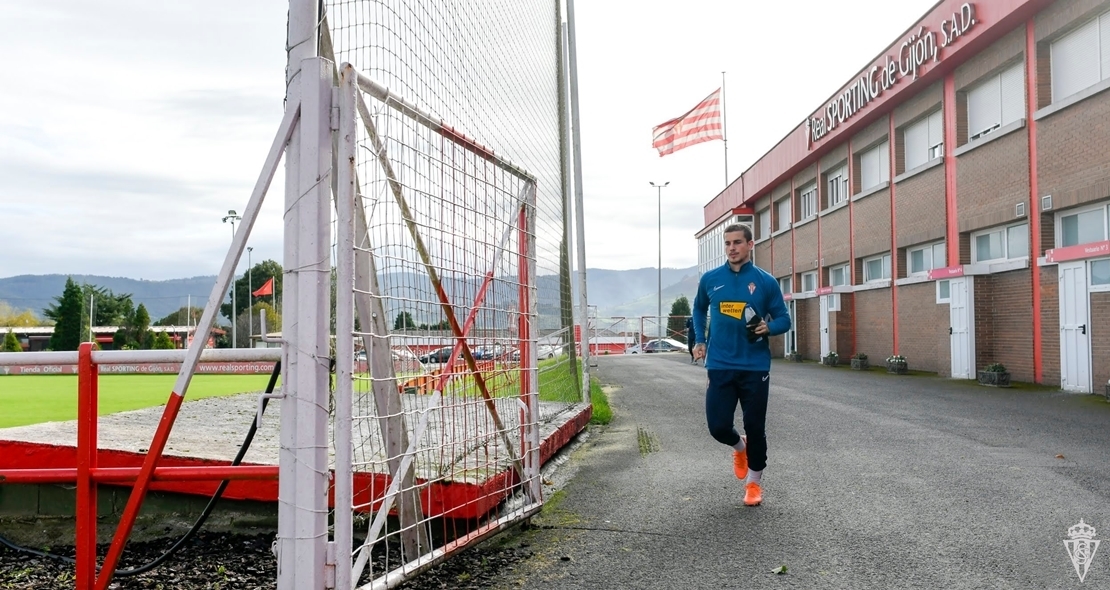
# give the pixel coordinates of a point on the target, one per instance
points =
(602, 413)
(31, 399)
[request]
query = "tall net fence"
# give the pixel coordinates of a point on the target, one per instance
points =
(463, 339)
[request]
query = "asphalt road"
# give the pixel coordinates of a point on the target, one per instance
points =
(873, 481)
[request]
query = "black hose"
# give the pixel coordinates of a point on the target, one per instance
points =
(203, 515)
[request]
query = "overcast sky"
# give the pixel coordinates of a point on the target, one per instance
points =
(129, 128)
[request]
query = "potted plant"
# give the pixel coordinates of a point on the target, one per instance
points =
(859, 362)
(897, 364)
(831, 359)
(994, 375)
(795, 356)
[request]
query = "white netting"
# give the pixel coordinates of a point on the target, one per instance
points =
(462, 208)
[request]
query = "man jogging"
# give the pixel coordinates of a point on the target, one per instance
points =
(746, 307)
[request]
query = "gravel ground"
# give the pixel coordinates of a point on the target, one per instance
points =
(212, 561)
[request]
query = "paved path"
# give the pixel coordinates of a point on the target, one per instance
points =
(874, 481)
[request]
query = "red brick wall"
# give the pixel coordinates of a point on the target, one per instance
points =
(805, 244)
(845, 324)
(924, 339)
(784, 257)
(874, 326)
(763, 256)
(1004, 313)
(835, 238)
(920, 206)
(1100, 340)
(871, 217)
(1050, 325)
(991, 179)
(1072, 159)
(809, 328)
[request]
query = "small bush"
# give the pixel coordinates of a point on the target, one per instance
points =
(860, 356)
(11, 343)
(995, 368)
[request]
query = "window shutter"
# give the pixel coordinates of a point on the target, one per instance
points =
(1075, 61)
(1104, 44)
(936, 128)
(1012, 82)
(916, 139)
(984, 108)
(884, 162)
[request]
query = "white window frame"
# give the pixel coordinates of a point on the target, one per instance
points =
(764, 223)
(786, 285)
(944, 298)
(837, 185)
(1082, 73)
(779, 206)
(885, 264)
(812, 275)
(1091, 286)
(931, 130)
(808, 202)
(878, 156)
(996, 101)
(1079, 211)
(847, 274)
(931, 252)
(1004, 240)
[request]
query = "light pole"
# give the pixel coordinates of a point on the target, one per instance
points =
(659, 268)
(232, 217)
(250, 299)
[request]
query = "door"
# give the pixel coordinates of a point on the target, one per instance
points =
(961, 337)
(824, 315)
(1075, 338)
(789, 343)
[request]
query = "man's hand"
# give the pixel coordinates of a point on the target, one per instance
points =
(699, 351)
(762, 328)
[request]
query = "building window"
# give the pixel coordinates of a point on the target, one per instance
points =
(999, 100)
(874, 166)
(925, 258)
(809, 281)
(782, 212)
(785, 285)
(876, 268)
(1000, 243)
(839, 275)
(765, 223)
(809, 202)
(1081, 58)
(1083, 227)
(1100, 273)
(838, 186)
(924, 140)
(944, 291)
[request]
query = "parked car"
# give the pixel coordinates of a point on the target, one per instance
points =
(664, 345)
(439, 355)
(635, 349)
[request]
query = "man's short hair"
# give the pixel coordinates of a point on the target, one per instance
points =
(740, 227)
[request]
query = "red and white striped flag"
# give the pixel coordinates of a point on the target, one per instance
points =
(702, 123)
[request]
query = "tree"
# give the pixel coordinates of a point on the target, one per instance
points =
(676, 322)
(186, 316)
(254, 278)
(18, 318)
(273, 323)
(162, 342)
(67, 312)
(11, 343)
(403, 321)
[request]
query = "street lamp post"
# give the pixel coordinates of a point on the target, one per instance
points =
(659, 268)
(250, 299)
(232, 217)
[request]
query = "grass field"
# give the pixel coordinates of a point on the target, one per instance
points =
(31, 399)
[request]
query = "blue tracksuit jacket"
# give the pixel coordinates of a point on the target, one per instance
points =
(724, 295)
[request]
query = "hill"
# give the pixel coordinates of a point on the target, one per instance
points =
(629, 293)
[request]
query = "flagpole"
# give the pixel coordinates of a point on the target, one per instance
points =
(724, 125)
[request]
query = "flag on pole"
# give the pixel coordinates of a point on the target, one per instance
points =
(266, 289)
(702, 123)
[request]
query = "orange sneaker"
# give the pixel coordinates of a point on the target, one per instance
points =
(740, 460)
(753, 494)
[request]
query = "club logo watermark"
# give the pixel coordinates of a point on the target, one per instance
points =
(1081, 545)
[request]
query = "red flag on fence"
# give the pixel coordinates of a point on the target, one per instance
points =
(265, 289)
(702, 123)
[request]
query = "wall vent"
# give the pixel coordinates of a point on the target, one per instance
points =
(1046, 203)
(1019, 210)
